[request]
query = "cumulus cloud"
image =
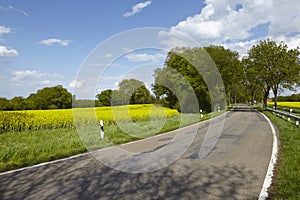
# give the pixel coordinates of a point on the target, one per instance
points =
(232, 23)
(8, 52)
(52, 41)
(143, 57)
(75, 84)
(34, 78)
(137, 8)
(24, 82)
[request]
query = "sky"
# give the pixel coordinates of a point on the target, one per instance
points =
(90, 46)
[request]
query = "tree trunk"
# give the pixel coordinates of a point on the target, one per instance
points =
(229, 97)
(275, 91)
(266, 95)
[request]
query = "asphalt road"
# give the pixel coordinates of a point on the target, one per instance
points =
(234, 169)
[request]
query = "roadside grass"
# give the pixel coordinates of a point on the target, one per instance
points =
(287, 173)
(30, 147)
(21, 149)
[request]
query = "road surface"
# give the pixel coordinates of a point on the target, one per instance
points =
(235, 169)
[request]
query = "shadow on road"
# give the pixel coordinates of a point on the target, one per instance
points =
(185, 179)
(243, 109)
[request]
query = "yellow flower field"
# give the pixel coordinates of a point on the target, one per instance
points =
(286, 104)
(54, 119)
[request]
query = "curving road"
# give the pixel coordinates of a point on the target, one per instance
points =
(235, 169)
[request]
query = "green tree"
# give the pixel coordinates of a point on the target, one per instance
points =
(50, 97)
(250, 82)
(4, 104)
(104, 97)
(199, 69)
(277, 67)
(17, 103)
(135, 90)
(230, 68)
(119, 98)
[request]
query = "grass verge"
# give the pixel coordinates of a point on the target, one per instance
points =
(287, 173)
(27, 148)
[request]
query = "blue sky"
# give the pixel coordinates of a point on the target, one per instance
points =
(46, 43)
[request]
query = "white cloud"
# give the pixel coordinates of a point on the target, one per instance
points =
(75, 84)
(231, 23)
(137, 8)
(109, 55)
(52, 41)
(11, 8)
(33, 77)
(143, 57)
(24, 82)
(8, 52)
(5, 30)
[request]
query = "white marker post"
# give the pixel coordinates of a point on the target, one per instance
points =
(297, 123)
(219, 109)
(291, 110)
(101, 129)
(201, 115)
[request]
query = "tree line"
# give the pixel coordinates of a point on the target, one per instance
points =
(55, 97)
(268, 66)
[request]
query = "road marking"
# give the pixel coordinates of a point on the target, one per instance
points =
(268, 179)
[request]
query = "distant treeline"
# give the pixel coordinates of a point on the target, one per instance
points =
(47, 98)
(292, 98)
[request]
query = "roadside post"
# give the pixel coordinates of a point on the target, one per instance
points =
(291, 110)
(201, 115)
(101, 129)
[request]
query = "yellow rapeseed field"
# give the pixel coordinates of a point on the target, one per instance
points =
(286, 104)
(65, 118)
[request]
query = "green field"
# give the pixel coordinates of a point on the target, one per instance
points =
(287, 175)
(32, 137)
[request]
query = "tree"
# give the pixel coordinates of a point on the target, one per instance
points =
(17, 103)
(49, 98)
(119, 98)
(252, 85)
(230, 68)
(4, 104)
(135, 90)
(104, 97)
(199, 69)
(277, 67)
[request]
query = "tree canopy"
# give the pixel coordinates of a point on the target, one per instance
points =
(273, 67)
(131, 91)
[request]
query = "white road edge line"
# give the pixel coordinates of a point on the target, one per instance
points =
(104, 149)
(268, 179)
